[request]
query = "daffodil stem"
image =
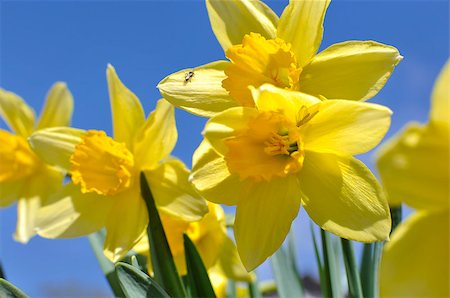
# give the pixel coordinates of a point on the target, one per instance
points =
(329, 266)
(369, 268)
(396, 216)
(351, 268)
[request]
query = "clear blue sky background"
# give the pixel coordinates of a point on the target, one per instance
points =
(72, 41)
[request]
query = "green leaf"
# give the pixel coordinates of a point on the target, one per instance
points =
(291, 253)
(254, 290)
(97, 240)
(396, 216)
(197, 274)
(231, 289)
(164, 269)
(323, 285)
(351, 268)
(288, 283)
(8, 290)
(330, 265)
(135, 283)
(369, 268)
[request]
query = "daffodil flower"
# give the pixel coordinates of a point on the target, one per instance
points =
(293, 149)
(209, 235)
(414, 168)
(263, 48)
(23, 176)
(104, 191)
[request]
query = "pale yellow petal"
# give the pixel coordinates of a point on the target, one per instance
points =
(16, 113)
(10, 192)
(271, 98)
(56, 145)
(173, 193)
(342, 196)
(58, 107)
(232, 19)
(354, 70)
(263, 218)
(202, 94)
(126, 223)
(127, 113)
(301, 24)
(26, 216)
(157, 138)
(440, 99)
(414, 167)
(415, 263)
(227, 124)
(346, 127)
(231, 264)
(69, 213)
(212, 179)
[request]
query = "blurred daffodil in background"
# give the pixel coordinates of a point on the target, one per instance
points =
(24, 177)
(293, 149)
(104, 191)
(414, 168)
(265, 49)
(217, 250)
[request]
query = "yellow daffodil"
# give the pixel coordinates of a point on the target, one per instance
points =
(23, 176)
(209, 235)
(414, 167)
(293, 149)
(263, 48)
(105, 174)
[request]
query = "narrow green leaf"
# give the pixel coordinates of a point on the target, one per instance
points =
(285, 275)
(97, 239)
(323, 285)
(291, 253)
(134, 262)
(196, 271)
(231, 289)
(135, 283)
(351, 268)
(369, 268)
(396, 216)
(331, 271)
(254, 290)
(8, 290)
(164, 269)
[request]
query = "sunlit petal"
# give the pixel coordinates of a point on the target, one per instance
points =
(440, 99)
(354, 70)
(230, 262)
(202, 94)
(301, 24)
(231, 20)
(16, 113)
(342, 196)
(58, 107)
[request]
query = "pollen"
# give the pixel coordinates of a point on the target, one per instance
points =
(17, 161)
(270, 146)
(102, 165)
(258, 61)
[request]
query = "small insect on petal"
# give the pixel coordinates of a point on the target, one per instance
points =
(188, 76)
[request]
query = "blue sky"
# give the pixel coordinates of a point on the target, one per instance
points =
(46, 41)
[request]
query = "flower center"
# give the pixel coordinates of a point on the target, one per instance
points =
(270, 146)
(258, 61)
(101, 165)
(16, 158)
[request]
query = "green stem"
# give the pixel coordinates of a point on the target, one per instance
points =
(396, 216)
(329, 268)
(351, 268)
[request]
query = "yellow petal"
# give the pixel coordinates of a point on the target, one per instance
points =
(10, 191)
(72, 214)
(301, 24)
(342, 196)
(230, 262)
(414, 167)
(212, 179)
(127, 113)
(415, 262)
(173, 193)
(231, 20)
(354, 70)
(16, 113)
(346, 127)
(26, 215)
(271, 98)
(203, 93)
(263, 218)
(126, 223)
(58, 107)
(157, 138)
(440, 99)
(227, 124)
(56, 145)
